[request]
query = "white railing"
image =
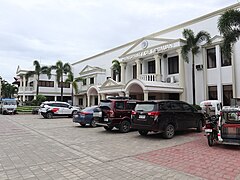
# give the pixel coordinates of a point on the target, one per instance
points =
(148, 77)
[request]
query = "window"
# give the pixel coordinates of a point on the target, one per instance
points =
(176, 106)
(45, 83)
(151, 67)
(173, 65)
(119, 105)
(92, 80)
(211, 58)
(64, 84)
(80, 101)
(131, 106)
(212, 93)
(84, 82)
(187, 107)
(225, 61)
(31, 84)
(227, 95)
(134, 71)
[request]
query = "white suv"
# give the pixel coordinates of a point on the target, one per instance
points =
(48, 109)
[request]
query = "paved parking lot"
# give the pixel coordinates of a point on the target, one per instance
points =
(35, 148)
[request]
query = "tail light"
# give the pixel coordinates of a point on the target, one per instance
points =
(84, 113)
(111, 113)
(154, 113)
(134, 112)
(208, 126)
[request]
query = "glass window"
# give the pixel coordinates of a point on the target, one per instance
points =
(165, 106)
(227, 95)
(151, 67)
(45, 83)
(173, 65)
(84, 82)
(92, 80)
(211, 58)
(187, 107)
(225, 61)
(176, 106)
(131, 106)
(212, 93)
(65, 84)
(134, 71)
(145, 107)
(119, 105)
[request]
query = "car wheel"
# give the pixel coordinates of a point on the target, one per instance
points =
(199, 128)
(93, 123)
(124, 127)
(169, 131)
(49, 115)
(143, 132)
(107, 128)
(83, 125)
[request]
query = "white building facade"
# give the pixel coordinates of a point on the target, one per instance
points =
(50, 88)
(152, 68)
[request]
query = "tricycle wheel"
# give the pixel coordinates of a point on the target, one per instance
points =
(210, 140)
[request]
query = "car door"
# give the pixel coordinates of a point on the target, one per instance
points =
(190, 116)
(120, 111)
(66, 109)
(178, 115)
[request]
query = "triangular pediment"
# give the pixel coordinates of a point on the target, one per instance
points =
(216, 39)
(109, 82)
(146, 43)
(90, 69)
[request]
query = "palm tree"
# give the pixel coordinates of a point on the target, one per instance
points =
(229, 27)
(8, 90)
(38, 71)
(116, 67)
(61, 69)
(70, 79)
(192, 45)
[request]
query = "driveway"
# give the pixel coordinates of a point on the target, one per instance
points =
(35, 148)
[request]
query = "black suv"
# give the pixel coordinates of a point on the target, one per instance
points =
(115, 112)
(166, 116)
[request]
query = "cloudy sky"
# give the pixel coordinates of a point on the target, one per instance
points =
(70, 30)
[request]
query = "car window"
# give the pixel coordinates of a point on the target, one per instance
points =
(176, 106)
(131, 106)
(64, 105)
(146, 107)
(164, 106)
(105, 104)
(119, 105)
(187, 107)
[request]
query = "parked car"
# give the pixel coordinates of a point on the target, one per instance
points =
(115, 112)
(48, 109)
(166, 116)
(85, 116)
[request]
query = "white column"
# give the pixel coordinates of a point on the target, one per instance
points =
(0, 86)
(145, 95)
(234, 73)
(123, 71)
(157, 67)
(99, 97)
(55, 98)
(219, 79)
(88, 100)
(127, 93)
(24, 88)
(138, 61)
(164, 68)
(103, 96)
(181, 76)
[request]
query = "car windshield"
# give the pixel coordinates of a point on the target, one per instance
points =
(231, 117)
(9, 103)
(145, 107)
(105, 104)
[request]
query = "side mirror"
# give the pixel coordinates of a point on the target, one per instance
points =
(70, 107)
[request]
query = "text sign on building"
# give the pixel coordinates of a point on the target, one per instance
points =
(151, 51)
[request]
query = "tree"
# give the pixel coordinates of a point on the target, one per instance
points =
(38, 71)
(8, 90)
(61, 69)
(229, 27)
(192, 45)
(73, 81)
(116, 67)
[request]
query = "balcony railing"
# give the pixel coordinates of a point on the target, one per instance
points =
(148, 77)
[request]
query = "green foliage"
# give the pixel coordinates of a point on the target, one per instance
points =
(25, 109)
(229, 27)
(197, 107)
(8, 90)
(116, 66)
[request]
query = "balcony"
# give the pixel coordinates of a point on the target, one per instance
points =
(148, 77)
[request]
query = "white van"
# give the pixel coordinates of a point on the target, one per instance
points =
(214, 106)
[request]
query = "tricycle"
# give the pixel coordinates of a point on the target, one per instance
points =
(224, 129)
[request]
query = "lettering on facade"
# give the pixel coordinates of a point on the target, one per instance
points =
(150, 51)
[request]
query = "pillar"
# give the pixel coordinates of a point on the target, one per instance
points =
(164, 68)
(181, 76)
(0, 87)
(127, 93)
(24, 88)
(234, 73)
(218, 67)
(88, 100)
(138, 61)
(55, 98)
(123, 71)
(99, 97)
(145, 95)
(157, 67)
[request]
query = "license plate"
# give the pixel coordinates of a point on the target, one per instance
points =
(208, 130)
(76, 116)
(141, 116)
(105, 119)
